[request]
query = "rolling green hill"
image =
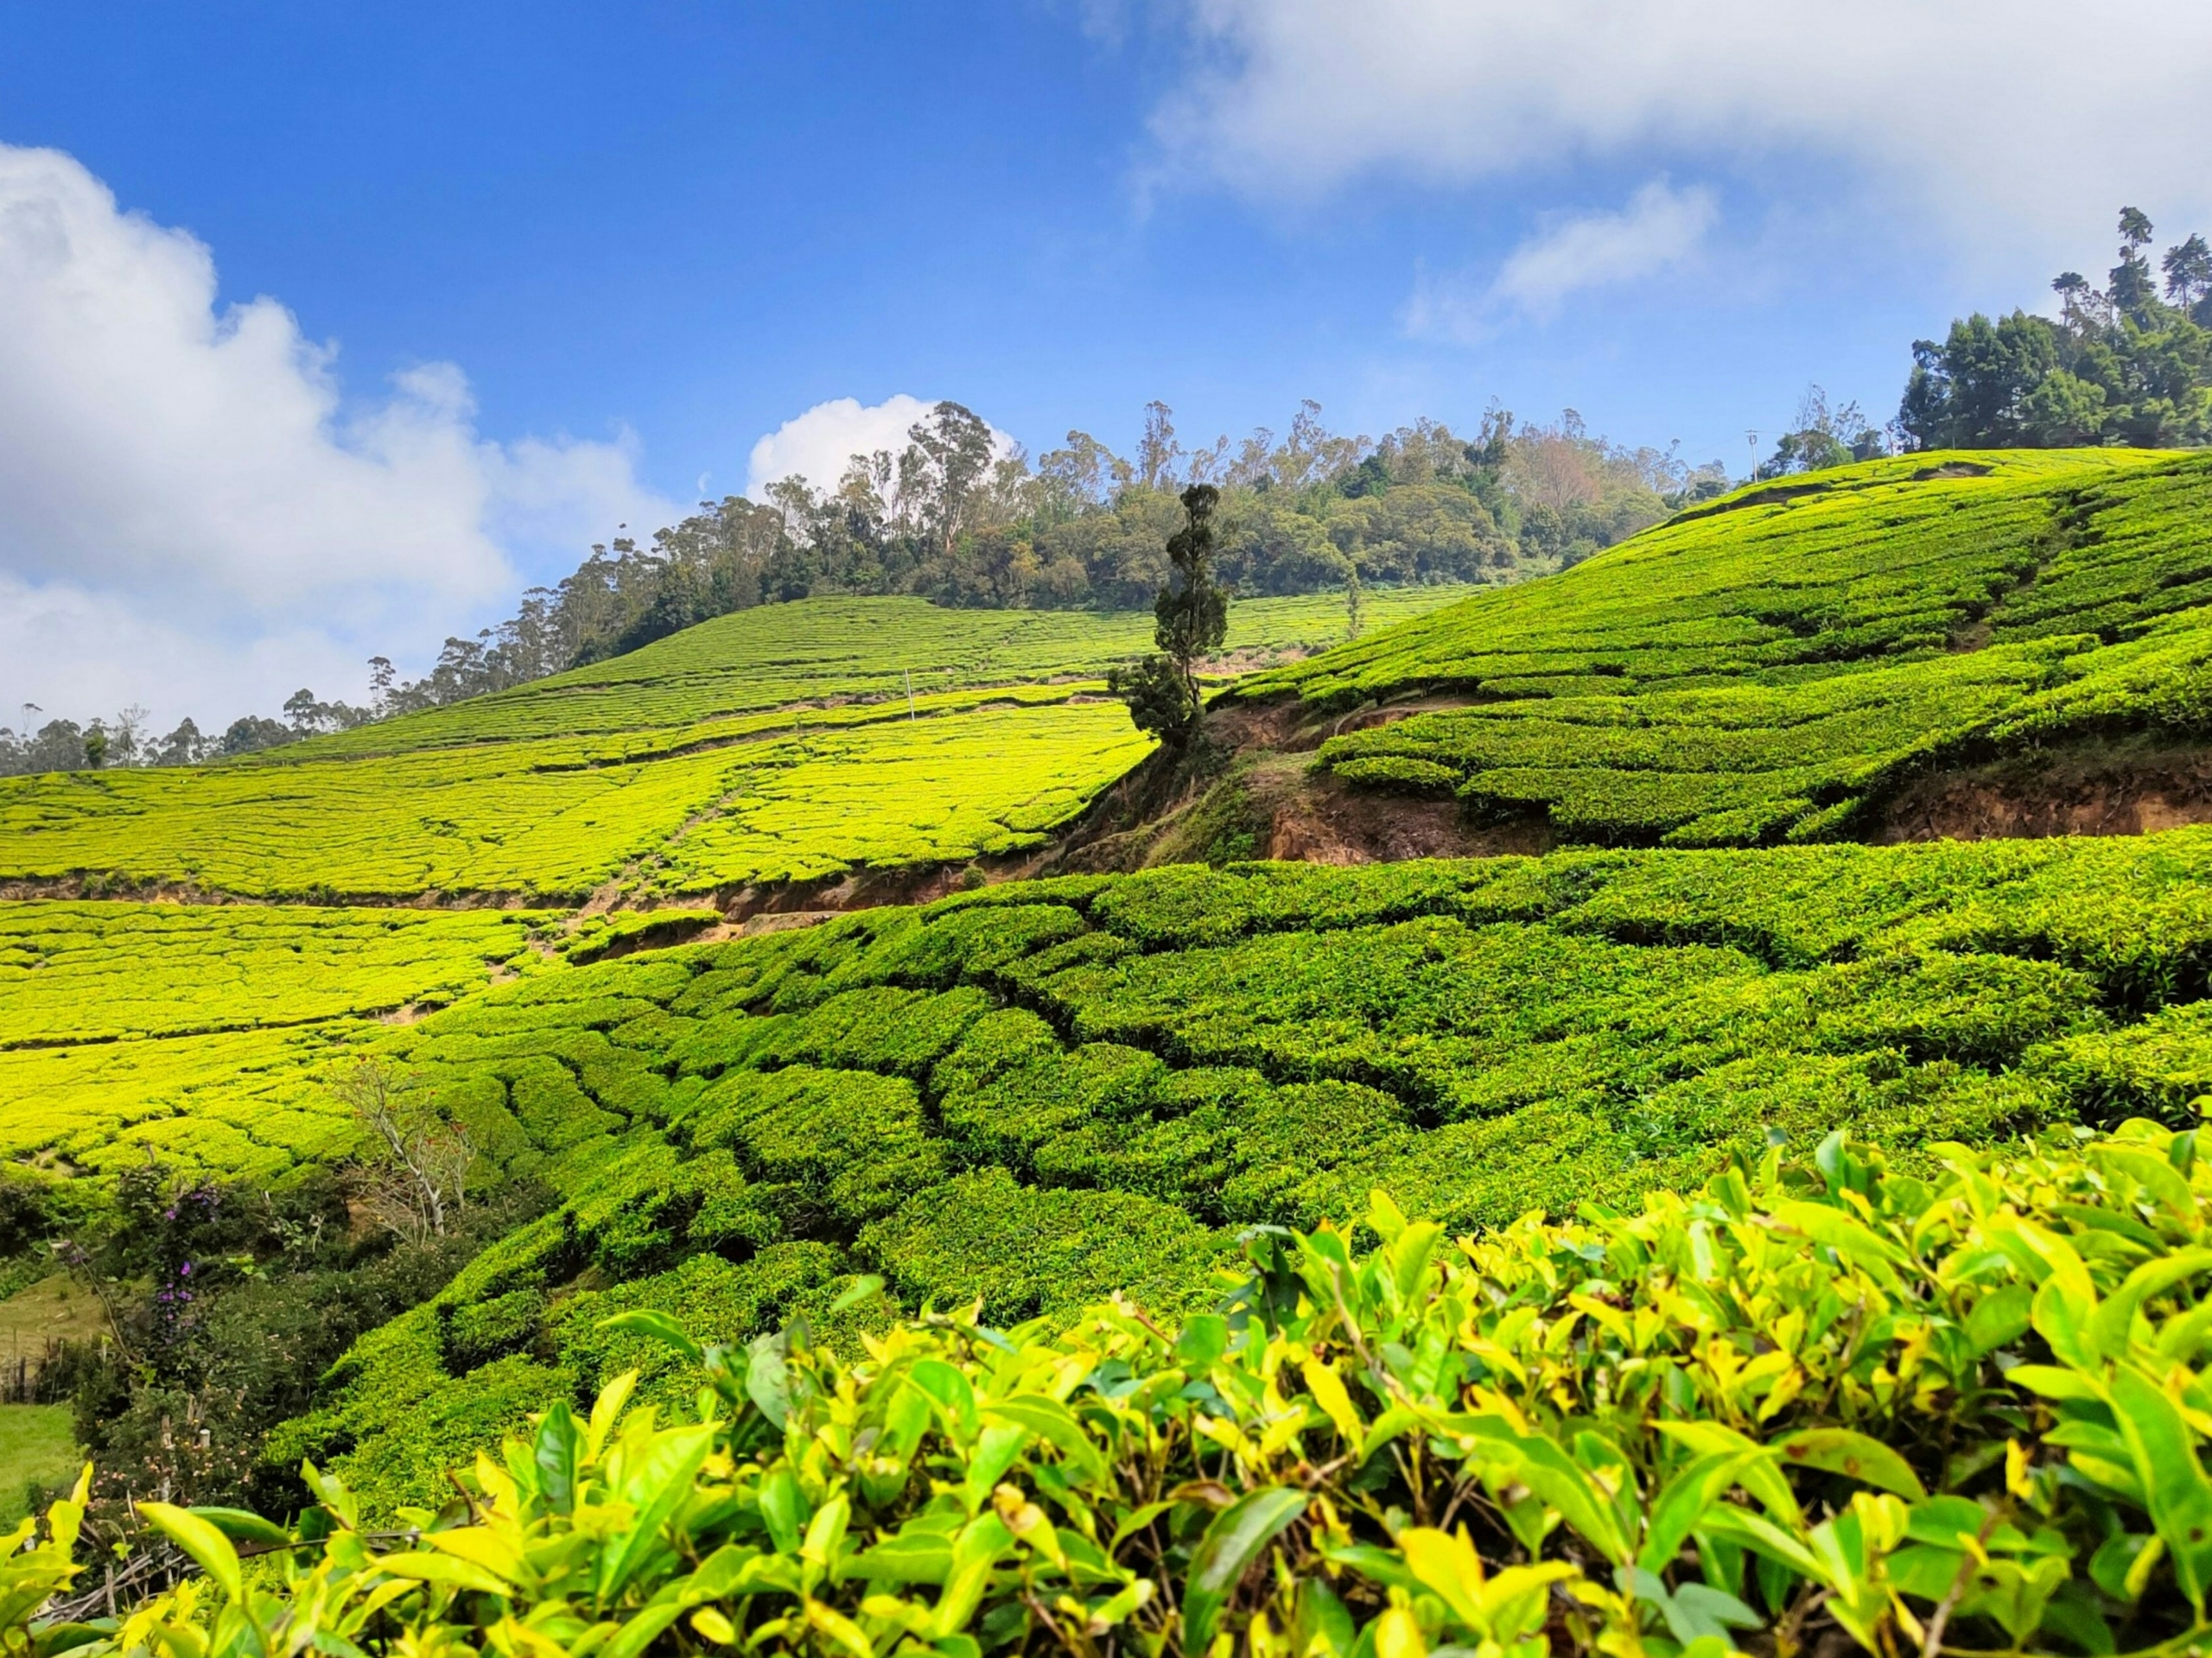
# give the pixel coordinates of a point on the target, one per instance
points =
(1017, 1101)
(205, 1034)
(1778, 664)
(1046, 1091)
(776, 744)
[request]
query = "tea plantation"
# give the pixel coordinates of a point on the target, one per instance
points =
(1044, 1092)
(1772, 666)
(725, 755)
(206, 1035)
(533, 819)
(847, 649)
(1791, 1406)
(1061, 1265)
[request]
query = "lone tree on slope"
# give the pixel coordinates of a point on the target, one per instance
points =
(1190, 617)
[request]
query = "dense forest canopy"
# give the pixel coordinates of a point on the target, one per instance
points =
(956, 519)
(2126, 363)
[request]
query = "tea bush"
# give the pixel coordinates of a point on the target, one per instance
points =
(1773, 665)
(204, 1034)
(1810, 1406)
(1042, 1090)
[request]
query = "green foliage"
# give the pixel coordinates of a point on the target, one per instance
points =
(945, 519)
(32, 1570)
(87, 972)
(768, 746)
(1159, 699)
(1956, 1410)
(38, 1453)
(222, 1305)
(1191, 620)
(1191, 616)
(2120, 366)
(1038, 1091)
(1773, 665)
(202, 1034)
(838, 653)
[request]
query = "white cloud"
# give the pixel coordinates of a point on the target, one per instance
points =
(191, 477)
(819, 444)
(1661, 228)
(77, 654)
(2024, 118)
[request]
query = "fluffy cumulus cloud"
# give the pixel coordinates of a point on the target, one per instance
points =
(820, 444)
(192, 515)
(2018, 118)
(72, 652)
(1661, 229)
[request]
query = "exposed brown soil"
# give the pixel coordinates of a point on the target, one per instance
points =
(1286, 725)
(771, 906)
(679, 926)
(1252, 798)
(1327, 821)
(2115, 789)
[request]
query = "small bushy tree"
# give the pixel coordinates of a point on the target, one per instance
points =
(1190, 619)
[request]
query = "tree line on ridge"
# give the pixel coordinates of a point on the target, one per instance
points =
(954, 517)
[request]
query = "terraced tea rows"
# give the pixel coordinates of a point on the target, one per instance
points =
(205, 1034)
(238, 1104)
(858, 649)
(551, 790)
(1771, 666)
(91, 972)
(918, 792)
(434, 820)
(1042, 1092)
(525, 818)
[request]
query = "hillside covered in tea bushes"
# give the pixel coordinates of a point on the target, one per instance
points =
(1044, 1092)
(1783, 663)
(202, 1034)
(610, 932)
(791, 743)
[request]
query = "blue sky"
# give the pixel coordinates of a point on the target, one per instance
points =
(607, 250)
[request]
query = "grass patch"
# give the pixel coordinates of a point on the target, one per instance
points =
(38, 1455)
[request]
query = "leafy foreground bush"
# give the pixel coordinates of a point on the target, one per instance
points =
(1808, 1407)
